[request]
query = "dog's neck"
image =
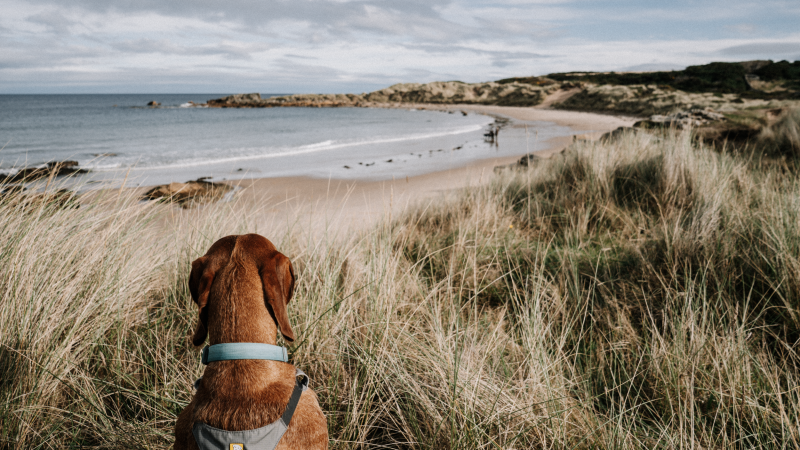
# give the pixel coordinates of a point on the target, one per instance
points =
(241, 318)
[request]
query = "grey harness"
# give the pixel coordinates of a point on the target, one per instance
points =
(266, 437)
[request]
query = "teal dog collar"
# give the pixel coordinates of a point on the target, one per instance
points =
(244, 350)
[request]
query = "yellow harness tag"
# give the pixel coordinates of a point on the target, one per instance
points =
(237, 447)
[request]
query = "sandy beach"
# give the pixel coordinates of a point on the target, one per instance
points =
(354, 204)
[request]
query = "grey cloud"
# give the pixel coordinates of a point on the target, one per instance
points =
(519, 29)
(283, 78)
(764, 49)
(45, 53)
(496, 58)
(257, 12)
(419, 19)
(479, 34)
(169, 48)
(493, 54)
(408, 75)
(289, 70)
(400, 22)
(54, 20)
(742, 28)
(506, 59)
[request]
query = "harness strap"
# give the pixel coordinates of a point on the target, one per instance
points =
(301, 384)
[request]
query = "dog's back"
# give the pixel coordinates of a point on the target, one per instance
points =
(242, 287)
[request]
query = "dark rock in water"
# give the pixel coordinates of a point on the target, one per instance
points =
(62, 164)
(237, 101)
(153, 103)
(389, 160)
(346, 167)
(55, 169)
(104, 155)
(190, 193)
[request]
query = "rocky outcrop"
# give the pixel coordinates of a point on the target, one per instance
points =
(153, 103)
(449, 92)
(307, 100)
(319, 100)
(190, 193)
(440, 92)
(55, 169)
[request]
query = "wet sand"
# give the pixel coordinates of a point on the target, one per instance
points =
(355, 204)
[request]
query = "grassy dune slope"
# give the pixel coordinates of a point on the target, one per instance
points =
(720, 86)
(637, 294)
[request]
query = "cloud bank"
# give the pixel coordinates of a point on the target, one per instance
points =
(356, 46)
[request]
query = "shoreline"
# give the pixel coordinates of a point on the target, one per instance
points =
(353, 203)
(323, 205)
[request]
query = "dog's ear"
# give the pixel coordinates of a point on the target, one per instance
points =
(200, 281)
(277, 277)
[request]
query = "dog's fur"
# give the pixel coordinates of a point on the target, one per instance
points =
(242, 287)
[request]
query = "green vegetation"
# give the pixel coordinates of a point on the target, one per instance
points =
(724, 78)
(783, 70)
(643, 293)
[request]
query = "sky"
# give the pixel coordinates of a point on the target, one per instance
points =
(326, 46)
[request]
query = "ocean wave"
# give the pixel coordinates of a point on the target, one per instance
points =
(326, 145)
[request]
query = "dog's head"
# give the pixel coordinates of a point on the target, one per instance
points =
(274, 269)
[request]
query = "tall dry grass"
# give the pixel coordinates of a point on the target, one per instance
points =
(783, 136)
(639, 294)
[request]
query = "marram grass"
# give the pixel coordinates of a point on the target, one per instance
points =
(639, 294)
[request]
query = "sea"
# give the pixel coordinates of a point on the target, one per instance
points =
(118, 138)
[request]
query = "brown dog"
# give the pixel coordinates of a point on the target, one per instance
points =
(242, 286)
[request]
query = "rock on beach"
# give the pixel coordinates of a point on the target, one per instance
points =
(525, 162)
(55, 169)
(189, 193)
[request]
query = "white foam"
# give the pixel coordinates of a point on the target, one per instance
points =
(326, 145)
